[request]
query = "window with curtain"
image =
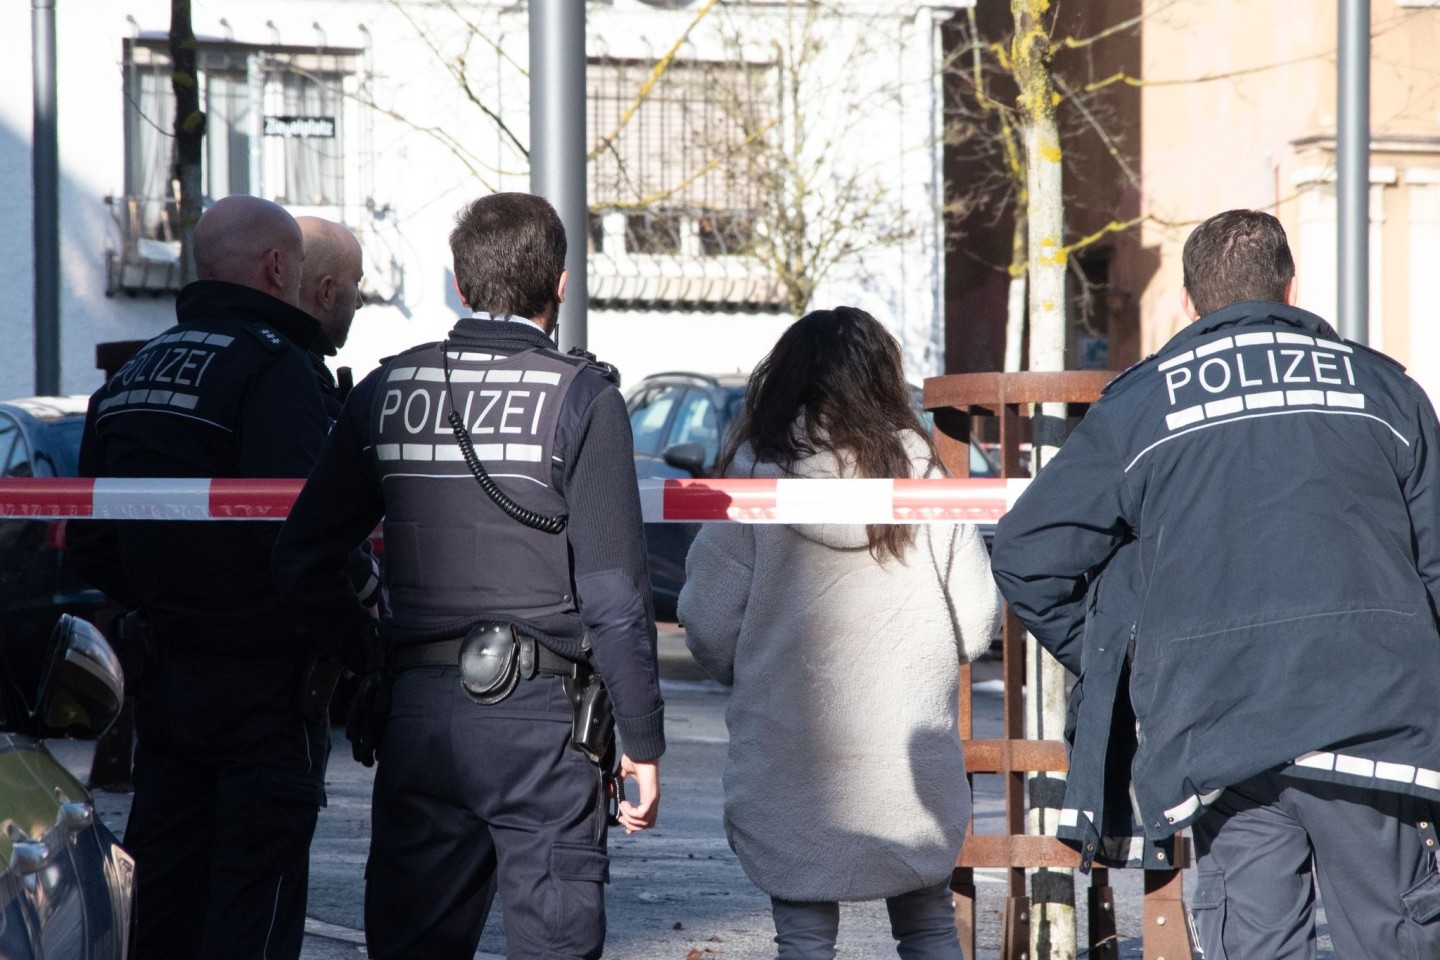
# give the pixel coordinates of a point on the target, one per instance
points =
(274, 127)
(227, 133)
(313, 162)
(149, 122)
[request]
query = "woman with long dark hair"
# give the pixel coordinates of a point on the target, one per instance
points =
(845, 778)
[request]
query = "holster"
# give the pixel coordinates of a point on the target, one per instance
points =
(318, 678)
(593, 731)
(593, 734)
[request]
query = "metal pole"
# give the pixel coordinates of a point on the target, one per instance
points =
(1352, 169)
(558, 143)
(45, 173)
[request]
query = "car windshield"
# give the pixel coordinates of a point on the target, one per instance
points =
(62, 445)
(734, 403)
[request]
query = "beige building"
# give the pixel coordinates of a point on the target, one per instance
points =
(1262, 134)
(1233, 104)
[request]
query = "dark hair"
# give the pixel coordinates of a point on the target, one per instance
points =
(834, 382)
(509, 253)
(1237, 255)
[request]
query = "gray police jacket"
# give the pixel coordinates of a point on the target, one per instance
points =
(1273, 493)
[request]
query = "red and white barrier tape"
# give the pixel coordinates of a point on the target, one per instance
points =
(828, 501)
(662, 501)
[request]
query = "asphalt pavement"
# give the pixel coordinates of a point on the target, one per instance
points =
(677, 892)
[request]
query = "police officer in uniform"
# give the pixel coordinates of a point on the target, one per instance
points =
(1241, 543)
(330, 292)
(229, 768)
(515, 565)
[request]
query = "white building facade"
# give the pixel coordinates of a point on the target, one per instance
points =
(389, 115)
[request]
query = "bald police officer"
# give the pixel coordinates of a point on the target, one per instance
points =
(229, 773)
(330, 292)
(516, 572)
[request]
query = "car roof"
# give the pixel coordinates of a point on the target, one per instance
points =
(727, 380)
(51, 408)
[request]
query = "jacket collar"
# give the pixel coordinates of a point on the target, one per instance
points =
(212, 299)
(1249, 313)
(517, 336)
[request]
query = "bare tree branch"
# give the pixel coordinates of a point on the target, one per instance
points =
(1111, 146)
(1073, 43)
(656, 73)
(456, 68)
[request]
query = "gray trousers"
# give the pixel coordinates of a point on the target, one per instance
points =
(921, 921)
(1261, 847)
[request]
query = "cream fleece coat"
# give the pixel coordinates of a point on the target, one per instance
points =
(845, 778)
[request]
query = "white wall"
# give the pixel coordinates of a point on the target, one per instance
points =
(1424, 280)
(404, 184)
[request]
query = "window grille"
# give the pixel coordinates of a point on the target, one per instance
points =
(675, 159)
(675, 181)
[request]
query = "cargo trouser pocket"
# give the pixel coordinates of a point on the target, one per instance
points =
(1420, 936)
(1207, 914)
(576, 916)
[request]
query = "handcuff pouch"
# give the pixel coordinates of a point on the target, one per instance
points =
(493, 660)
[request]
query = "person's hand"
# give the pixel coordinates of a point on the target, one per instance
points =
(641, 815)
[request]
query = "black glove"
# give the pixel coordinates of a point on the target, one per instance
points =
(365, 725)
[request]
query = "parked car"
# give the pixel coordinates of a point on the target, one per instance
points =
(679, 421)
(39, 437)
(66, 885)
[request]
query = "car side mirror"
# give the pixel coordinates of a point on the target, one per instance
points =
(689, 457)
(82, 686)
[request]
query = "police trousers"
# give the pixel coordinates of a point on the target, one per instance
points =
(469, 799)
(1259, 844)
(229, 778)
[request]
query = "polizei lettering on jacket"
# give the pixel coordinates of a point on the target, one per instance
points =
(1259, 373)
(169, 371)
(504, 410)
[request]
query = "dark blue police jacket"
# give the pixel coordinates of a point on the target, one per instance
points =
(227, 392)
(1248, 522)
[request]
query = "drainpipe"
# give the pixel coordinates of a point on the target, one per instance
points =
(1352, 170)
(45, 172)
(557, 144)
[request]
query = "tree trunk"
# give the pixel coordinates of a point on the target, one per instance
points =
(1052, 932)
(189, 134)
(1015, 301)
(1045, 207)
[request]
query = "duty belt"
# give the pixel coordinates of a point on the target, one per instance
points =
(446, 653)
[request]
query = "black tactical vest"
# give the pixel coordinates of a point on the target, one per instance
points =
(452, 556)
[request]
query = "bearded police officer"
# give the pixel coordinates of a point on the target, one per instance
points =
(229, 769)
(515, 567)
(330, 292)
(1247, 524)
